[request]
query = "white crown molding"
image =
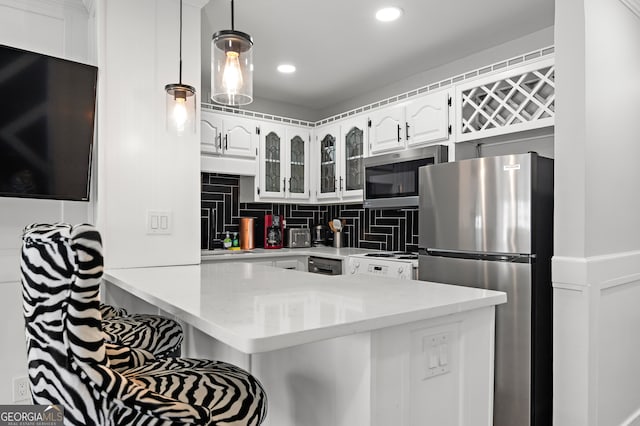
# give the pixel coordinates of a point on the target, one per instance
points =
(633, 5)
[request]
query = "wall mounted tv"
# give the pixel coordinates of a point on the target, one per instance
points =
(46, 125)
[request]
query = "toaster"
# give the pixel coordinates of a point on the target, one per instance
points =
(298, 237)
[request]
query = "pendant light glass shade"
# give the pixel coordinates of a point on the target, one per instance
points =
(232, 68)
(181, 108)
(180, 101)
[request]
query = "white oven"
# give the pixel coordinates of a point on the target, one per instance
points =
(401, 265)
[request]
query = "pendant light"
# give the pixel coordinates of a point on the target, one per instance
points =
(232, 66)
(180, 100)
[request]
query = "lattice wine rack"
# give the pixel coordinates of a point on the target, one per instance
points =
(517, 102)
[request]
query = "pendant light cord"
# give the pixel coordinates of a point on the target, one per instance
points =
(232, 26)
(180, 70)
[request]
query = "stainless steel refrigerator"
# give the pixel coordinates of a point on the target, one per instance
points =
(488, 223)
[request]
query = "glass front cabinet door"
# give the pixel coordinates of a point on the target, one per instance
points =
(284, 162)
(272, 161)
(328, 162)
(351, 180)
(297, 164)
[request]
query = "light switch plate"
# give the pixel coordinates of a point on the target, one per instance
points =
(159, 222)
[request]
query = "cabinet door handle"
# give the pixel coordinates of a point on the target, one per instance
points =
(289, 184)
(335, 186)
(226, 140)
(284, 184)
(398, 133)
(406, 131)
(219, 137)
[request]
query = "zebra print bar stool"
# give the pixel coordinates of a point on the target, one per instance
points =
(153, 333)
(69, 362)
(160, 336)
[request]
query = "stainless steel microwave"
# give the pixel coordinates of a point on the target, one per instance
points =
(391, 180)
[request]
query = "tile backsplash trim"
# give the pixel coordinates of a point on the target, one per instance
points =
(221, 211)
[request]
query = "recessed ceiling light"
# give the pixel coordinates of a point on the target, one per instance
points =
(388, 14)
(286, 68)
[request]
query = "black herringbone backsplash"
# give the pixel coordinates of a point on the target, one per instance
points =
(221, 210)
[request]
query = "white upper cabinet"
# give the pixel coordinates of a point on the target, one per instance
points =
(210, 133)
(340, 149)
(226, 135)
(228, 144)
(239, 138)
(298, 154)
(272, 161)
(284, 162)
(326, 156)
(420, 121)
(352, 151)
(386, 129)
(427, 119)
(519, 99)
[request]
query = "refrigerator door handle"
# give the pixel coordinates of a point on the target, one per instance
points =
(492, 257)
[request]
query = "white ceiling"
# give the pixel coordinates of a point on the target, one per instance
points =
(341, 51)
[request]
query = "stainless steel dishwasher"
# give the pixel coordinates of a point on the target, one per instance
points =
(325, 266)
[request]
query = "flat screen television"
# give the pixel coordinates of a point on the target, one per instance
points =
(47, 118)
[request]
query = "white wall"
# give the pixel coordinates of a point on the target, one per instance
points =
(141, 166)
(596, 268)
(57, 28)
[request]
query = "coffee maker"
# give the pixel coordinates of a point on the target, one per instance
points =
(273, 231)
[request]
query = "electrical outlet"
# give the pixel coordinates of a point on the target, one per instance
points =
(21, 389)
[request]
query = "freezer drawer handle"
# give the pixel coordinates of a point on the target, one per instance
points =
(492, 257)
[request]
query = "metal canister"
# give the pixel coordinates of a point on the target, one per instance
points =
(246, 233)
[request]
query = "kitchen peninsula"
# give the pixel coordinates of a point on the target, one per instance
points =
(340, 350)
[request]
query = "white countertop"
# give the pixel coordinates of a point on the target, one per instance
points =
(257, 308)
(330, 252)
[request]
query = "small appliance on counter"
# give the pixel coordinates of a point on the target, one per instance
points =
(273, 231)
(298, 237)
(320, 235)
(247, 225)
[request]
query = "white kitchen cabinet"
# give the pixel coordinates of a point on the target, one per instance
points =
(272, 182)
(298, 162)
(326, 156)
(420, 121)
(284, 162)
(351, 152)
(427, 119)
(210, 133)
(340, 149)
(518, 99)
(228, 144)
(239, 138)
(386, 129)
